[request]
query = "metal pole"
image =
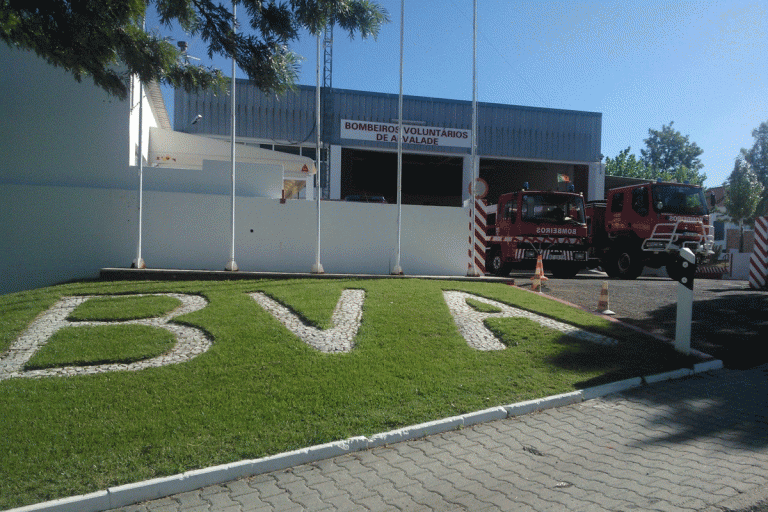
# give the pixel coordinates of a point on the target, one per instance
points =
(472, 268)
(317, 268)
(139, 262)
(397, 269)
(231, 264)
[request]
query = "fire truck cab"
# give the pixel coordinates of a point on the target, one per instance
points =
(647, 225)
(532, 223)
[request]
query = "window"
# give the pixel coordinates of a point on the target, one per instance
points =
(510, 211)
(617, 202)
(679, 199)
(719, 229)
(640, 201)
(295, 189)
(553, 208)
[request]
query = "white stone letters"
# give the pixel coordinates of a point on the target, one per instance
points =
(191, 342)
(470, 322)
(345, 322)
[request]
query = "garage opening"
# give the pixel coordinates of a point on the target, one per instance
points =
(505, 176)
(433, 180)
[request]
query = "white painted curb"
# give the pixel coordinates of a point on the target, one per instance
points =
(674, 374)
(129, 494)
(540, 404)
(415, 431)
(93, 502)
(613, 387)
(709, 365)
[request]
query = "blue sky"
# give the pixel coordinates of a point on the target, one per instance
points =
(642, 64)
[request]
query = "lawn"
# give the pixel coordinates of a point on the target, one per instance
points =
(260, 390)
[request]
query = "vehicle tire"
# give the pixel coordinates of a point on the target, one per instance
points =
(495, 264)
(564, 270)
(625, 263)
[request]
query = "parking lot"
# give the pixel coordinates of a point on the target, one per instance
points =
(730, 320)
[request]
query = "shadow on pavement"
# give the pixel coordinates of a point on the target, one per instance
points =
(732, 328)
(729, 407)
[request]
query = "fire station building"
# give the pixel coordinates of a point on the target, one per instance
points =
(548, 148)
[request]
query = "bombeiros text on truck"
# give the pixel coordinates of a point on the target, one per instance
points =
(637, 226)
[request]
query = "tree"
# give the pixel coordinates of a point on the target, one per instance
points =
(105, 39)
(757, 157)
(743, 192)
(627, 165)
(672, 157)
(668, 156)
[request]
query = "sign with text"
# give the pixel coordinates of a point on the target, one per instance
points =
(421, 135)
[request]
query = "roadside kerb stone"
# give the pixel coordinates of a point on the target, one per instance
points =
(540, 404)
(610, 388)
(707, 366)
(674, 374)
(92, 502)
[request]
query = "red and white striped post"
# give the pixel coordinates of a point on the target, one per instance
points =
(480, 227)
(758, 262)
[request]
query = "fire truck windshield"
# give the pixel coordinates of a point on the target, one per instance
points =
(678, 199)
(553, 208)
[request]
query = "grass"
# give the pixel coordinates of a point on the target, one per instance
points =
(91, 345)
(124, 308)
(260, 390)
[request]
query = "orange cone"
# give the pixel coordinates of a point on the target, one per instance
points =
(538, 275)
(602, 304)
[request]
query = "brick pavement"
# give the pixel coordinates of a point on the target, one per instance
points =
(699, 443)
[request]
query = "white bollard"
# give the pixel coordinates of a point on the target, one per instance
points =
(685, 303)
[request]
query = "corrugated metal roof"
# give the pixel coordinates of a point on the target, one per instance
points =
(509, 131)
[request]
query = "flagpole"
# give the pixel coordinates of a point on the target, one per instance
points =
(139, 261)
(397, 269)
(472, 269)
(231, 264)
(317, 268)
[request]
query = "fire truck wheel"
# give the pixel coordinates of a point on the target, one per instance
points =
(495, 263)
(564, 270)
(625, 263)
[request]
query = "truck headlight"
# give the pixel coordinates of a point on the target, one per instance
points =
(656, 245)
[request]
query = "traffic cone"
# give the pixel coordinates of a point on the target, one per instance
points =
(602, 304)
(538, 275)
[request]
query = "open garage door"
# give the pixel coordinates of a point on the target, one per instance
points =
(505, 176)
(433, 180)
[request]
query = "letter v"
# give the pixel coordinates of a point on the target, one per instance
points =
(345, 322)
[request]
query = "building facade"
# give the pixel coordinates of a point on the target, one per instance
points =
(544, 147)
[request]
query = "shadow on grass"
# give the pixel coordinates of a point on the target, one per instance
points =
(632, 357)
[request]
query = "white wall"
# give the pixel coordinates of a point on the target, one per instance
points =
(263, 180)
(56, 131)
(55, 234)
(147, 121)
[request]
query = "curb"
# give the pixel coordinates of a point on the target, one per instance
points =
(129, 494)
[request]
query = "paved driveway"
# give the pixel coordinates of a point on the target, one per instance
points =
(730, 320)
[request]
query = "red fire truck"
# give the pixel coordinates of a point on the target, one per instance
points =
(636, 226)
(532, 223)
(647, 225)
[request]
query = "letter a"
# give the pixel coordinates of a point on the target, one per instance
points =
(471, 323)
